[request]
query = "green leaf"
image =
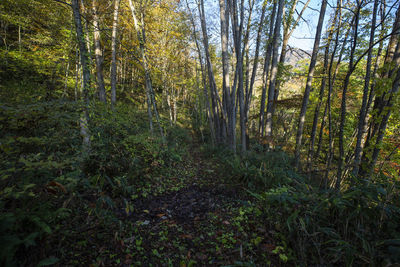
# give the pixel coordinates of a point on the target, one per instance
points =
(48, 261)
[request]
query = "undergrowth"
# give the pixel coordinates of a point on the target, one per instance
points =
(313, 226)
(47, 178)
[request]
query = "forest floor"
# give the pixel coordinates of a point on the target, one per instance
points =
(197, 218)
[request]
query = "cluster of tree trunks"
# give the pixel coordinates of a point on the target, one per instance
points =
(238, 84)
(231, 100)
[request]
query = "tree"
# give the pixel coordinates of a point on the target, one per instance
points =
(363, 109)
(141, 34)
(267, 61)
(274, 68)
(351, 68)
(86, 74)
(306, 95)
(114, 53)
(98, 53)
(321, 93)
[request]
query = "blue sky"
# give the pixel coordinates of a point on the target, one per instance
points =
(303, 35)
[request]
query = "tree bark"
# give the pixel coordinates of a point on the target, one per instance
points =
(204, 79)
(307, 91)
(287, 33)
(98, 54)
(84, 120)
(87, 37)
(363, 110)
(237, 36)
(379, 102)
(211, 79)
(321, 95)
(268, 55)
(227, 108)
(141, 34)
(114, 54)
(255, 63)
(274, 70)
(344, 96)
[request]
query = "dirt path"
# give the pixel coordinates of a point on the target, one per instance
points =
(205, 223)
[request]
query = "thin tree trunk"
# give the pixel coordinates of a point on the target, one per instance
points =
(363, 110)
(237, 36)
(287, 33)
(344, 97)
(321, 95)
(203, 77)
(211, 79)
(267, 62)
(98, 54)
(386, 100)
(379, 99)
(144, 64)
(77, 70)
(255, 63)
(19, 38)
(84, 120)
(274, 70)
(307, 91)
(66, 79)
(148, 77)
(114, 54)
(87, 37)
(224, 18)
(331, 83)
(385, 119)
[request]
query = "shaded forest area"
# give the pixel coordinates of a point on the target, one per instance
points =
(191, 133)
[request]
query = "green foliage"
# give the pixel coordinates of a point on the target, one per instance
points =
(43, 167)
(357, 226)
(39, 146)
(256, 169)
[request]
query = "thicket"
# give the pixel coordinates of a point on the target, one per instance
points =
(47, 179)
(315, 226)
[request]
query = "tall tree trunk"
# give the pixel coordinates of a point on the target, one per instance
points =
(237, 29)
(268, 55)
(141, 34)
(331, 81)
(114, 54)
(211, 79)
(98, 54)
(84, 120)
(321, 94)
(344, 96)
(287, 33)
(77, 70)
(385, 118)
(274, 70)
(379, 103)
(204, 79)
(384, 105)
(227, 109)
(255, 63)
(307, 91)
(87, 36)
(363, 110)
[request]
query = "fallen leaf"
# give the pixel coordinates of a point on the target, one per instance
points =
(187, 236)
(201, 256)
(268, 247)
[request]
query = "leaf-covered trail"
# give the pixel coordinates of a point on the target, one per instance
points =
(206, 222)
